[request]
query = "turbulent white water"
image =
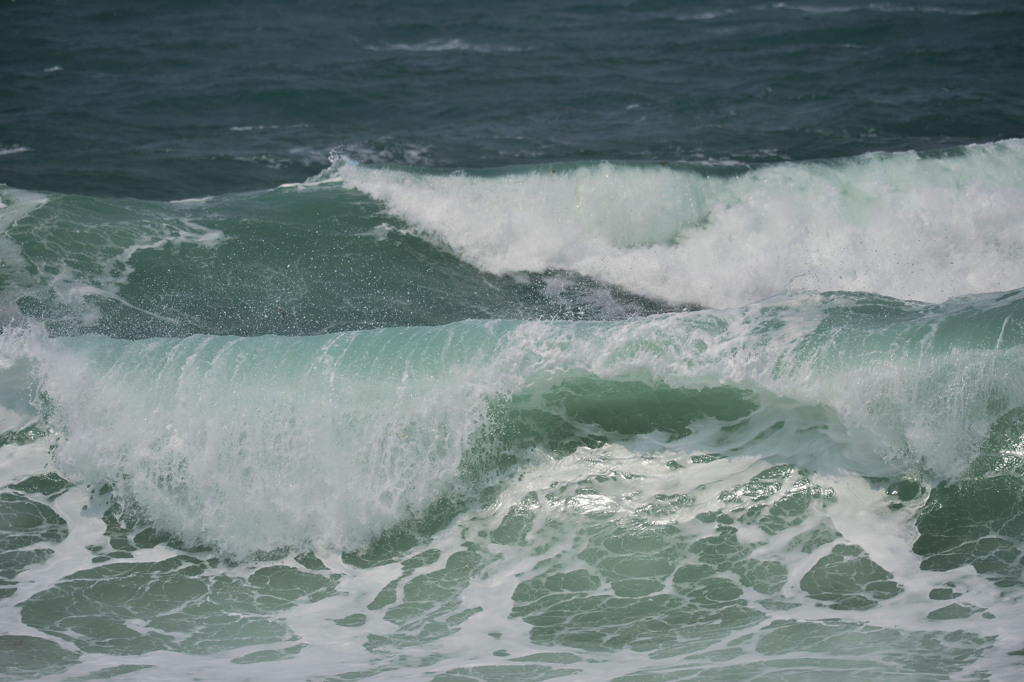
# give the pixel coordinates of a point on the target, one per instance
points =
(343, 436)
(790, 481)
(895, 224)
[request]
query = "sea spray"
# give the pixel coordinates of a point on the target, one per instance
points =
(614, 341)
(587, 241)
(251, 444)
(903, 225)
(288, 261)
(257, 443)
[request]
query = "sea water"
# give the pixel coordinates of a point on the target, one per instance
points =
(429, 341)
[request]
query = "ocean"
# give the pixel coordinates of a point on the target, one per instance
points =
(635, 340)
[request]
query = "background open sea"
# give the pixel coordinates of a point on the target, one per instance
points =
(450, 340)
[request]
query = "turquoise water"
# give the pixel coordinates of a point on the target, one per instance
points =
(637, 341)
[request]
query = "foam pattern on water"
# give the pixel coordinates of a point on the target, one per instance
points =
(638, 562)
(818, 482)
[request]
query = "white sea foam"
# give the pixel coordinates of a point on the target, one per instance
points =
(384, 150)
(324, 442)
(894, 395)
(441, 45)
(14, 149)
(14, 206)
(922, 228)
(341, 437)
(80, 266)
(338, 437)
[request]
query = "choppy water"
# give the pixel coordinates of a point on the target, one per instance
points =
(424, 341)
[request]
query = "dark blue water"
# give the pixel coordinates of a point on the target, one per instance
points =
(179, 99)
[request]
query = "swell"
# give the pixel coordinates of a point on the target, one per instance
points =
(254, 443)
(373, 246)
(903, 225)
(288, 261)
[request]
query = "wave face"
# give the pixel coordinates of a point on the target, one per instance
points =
(895, 224)
(364, 247)
(344, 436)
(606, 420)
